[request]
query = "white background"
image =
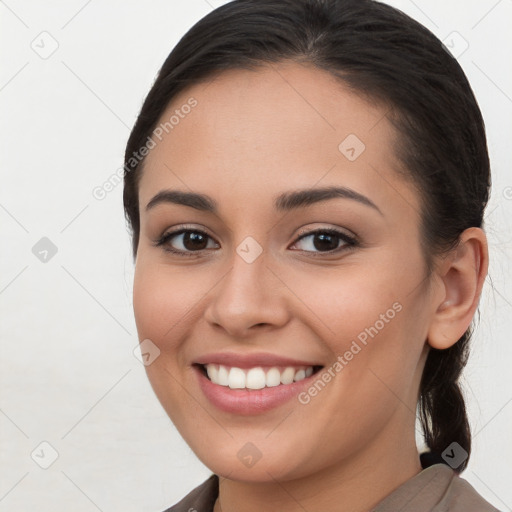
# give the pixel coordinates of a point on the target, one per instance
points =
(67, 372)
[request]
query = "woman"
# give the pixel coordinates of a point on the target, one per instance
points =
(305, 184)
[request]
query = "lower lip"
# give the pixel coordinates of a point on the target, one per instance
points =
(250, 402)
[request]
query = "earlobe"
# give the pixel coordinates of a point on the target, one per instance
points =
(461, 276)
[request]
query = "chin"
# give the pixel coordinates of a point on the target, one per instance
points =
(248, 464)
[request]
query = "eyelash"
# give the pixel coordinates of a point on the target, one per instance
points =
(350, 242)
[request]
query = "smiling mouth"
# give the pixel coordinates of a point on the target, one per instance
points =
(258, 377)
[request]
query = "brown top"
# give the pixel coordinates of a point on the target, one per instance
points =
(436, 488)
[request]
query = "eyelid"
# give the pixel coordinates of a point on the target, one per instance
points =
(180, 228)
(311, 231)
(189, 227)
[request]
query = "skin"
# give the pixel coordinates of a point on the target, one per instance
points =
(252, 136)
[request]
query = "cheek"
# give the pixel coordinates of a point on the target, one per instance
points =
(162, 299)
(345, 301)
(163, 302)
(367, 316)
(368, 299)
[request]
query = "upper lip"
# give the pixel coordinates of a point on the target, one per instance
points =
(251, 360)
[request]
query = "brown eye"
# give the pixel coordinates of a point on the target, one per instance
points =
(194, 241)
(186, 241)
(324, 241)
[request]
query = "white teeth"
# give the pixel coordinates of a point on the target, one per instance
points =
(236, 378)
(212, 372)
(255, 378)
(301, 374)
(287, 376)
(222, 376)
(273, 378)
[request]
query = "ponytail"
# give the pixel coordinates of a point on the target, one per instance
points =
(441, 402)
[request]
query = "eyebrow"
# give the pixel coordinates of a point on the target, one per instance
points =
(286, 201)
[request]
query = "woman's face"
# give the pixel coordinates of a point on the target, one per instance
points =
(253, 288)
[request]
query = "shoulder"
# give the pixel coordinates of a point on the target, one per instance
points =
(462, 496)
(200, 499)
(437, 488)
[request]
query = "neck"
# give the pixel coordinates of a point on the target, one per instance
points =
(357, 484)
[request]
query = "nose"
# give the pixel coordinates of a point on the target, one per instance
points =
(249, 298)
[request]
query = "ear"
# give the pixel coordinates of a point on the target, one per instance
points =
(461, 275)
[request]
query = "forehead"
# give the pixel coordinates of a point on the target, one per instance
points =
(278, 127)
